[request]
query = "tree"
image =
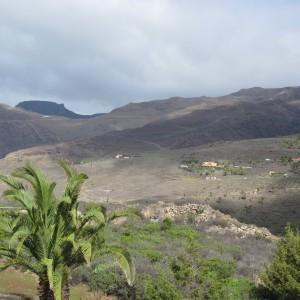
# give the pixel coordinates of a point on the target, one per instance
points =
(50, 237)
(282, 277)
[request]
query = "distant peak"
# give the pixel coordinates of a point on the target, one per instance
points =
(51, 108)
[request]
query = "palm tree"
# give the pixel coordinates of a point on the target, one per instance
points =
(50, 236)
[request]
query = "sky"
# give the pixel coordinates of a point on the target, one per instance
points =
(95, 55)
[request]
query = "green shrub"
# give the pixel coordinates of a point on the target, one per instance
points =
(160, 288)
(153, 255)
(222, 269)
(239, 289)
(282, 277)
(179, 250)
(183, 232)
(111, 281)
(166, 223)
(182, 269)
(285, 159)
(296, 167)
(216, 281)
(233, 171)
(83, 274)
(228, 289)
(151, 227)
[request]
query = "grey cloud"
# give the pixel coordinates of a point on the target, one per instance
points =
(96, 55)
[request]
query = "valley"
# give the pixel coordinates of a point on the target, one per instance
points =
(216, 179)
(163, 135)
(261, 194)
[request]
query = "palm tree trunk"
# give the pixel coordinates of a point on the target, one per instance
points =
(44, 291)
(66, 291)
(132, 293)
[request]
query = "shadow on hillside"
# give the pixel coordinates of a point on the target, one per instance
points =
(273, 215)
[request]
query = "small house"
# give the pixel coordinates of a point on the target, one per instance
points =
(209, 164)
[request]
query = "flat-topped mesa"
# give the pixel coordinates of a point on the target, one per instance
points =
(50, 108)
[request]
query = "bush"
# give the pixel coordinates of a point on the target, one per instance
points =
(110, 281)
(229, 289)
(216, 281)
(153, 255)
(285, 159)
(222, 269)
(174, 261)
(82, 274)
(233, 171)
(182, 269)
(282, 277)
(296, 167)
(160, 288)
(166, 224)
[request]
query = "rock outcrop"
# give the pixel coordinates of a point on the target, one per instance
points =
(212, 219)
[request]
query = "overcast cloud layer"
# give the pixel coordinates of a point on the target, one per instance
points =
(94, 55)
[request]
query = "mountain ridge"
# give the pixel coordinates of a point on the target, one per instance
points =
(51, 108)
(175, 122)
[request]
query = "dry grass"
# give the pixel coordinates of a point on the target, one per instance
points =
(16, 283)
(253, 198)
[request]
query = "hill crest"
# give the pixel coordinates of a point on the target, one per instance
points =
(50, 108)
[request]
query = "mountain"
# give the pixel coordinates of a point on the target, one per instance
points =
(23, 129)
(169, 123)
(241, 121)
(20, 129)
(182, 123)
(247, 114)
(48, 108)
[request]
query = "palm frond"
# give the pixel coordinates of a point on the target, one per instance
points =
(41, 186)
(75, 180)
(51, 237)
(22, 197)
(12, 182)
(73, 187)
(126, 212)
(5, 266)
(23, 259)
(93, 214)
(67, 168)
(18, 238)
(86, 250)
(123, 259)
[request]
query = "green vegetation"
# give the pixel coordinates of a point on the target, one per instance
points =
(295, 168)
(285, 159)
(160, 288)
(233, 171)
(49, 236)
(282, 277)
(292, 143)
(226, 166)
(172, 263)
(194, 166)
